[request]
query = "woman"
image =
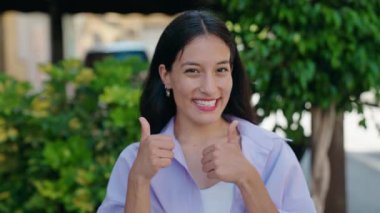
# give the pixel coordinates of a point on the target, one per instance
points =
(199, 150)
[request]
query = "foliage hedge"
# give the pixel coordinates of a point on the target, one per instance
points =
(58, 145)
(304, 54)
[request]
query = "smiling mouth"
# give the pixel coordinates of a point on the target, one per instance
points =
(206, 105)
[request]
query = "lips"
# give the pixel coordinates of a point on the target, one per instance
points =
(206, 105)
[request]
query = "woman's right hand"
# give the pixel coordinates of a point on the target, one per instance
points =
(155, 152)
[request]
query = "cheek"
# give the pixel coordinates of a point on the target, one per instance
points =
(184, 84)
(227, 85)
(182, 89)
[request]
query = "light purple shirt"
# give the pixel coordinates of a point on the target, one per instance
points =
(174, 190)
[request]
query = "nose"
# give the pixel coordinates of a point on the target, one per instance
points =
(208, 84)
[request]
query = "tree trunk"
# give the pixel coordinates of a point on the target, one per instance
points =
(56, 31)
(336, 196)
(2, 54)
(323, 122)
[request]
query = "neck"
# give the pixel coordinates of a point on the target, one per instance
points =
(194, 134)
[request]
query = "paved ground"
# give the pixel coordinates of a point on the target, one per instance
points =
(362, 163)
(363, 183)
(362, 148)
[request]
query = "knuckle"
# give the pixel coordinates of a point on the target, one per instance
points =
(218, 173)
(166, 162)
(171, 145)
(166, 137)
(218, 146)
(215, 155)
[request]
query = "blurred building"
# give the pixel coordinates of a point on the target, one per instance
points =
(25, 43)
(25, 37)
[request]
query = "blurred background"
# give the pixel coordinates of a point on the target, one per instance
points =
(71, 75)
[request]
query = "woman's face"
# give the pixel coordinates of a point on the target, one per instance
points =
(200, 80)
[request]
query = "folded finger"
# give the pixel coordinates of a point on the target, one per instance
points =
(208, 167)
(162, 153)
(207, 158)
(164, 162)
(212, 175)
(166, 144)
(208, 149)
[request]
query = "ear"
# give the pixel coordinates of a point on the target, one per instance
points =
(164, 75)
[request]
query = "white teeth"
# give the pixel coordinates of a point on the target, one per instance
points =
(206, 103)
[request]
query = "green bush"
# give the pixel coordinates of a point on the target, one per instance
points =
(307, 54)
(58, 145)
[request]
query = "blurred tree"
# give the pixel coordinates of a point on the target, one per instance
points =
(317, 56)
(58, 146)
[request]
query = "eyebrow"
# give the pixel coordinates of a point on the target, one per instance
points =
(224, 62)
(196, 64)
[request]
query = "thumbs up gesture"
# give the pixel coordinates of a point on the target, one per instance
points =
(224, 160)
(155, 152)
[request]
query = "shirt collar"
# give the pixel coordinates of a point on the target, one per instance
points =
(178, 154)
(253, 144)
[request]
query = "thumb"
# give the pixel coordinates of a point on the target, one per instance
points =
(233, 133)
(145, 128)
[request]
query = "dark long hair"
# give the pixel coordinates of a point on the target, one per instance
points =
(154, 105)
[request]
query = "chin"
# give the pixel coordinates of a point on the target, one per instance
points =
(205, 119)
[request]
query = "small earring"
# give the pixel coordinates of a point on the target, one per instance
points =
(167, 91)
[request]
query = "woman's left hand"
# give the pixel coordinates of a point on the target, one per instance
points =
(225, 161)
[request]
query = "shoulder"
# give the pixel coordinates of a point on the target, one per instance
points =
(264, 148)
(117, 183)
(259, 136)
(277, 165)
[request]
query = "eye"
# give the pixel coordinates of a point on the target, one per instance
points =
(191, 71)
(222, 69)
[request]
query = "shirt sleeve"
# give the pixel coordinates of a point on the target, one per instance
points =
(116, 188)
(285, 181)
